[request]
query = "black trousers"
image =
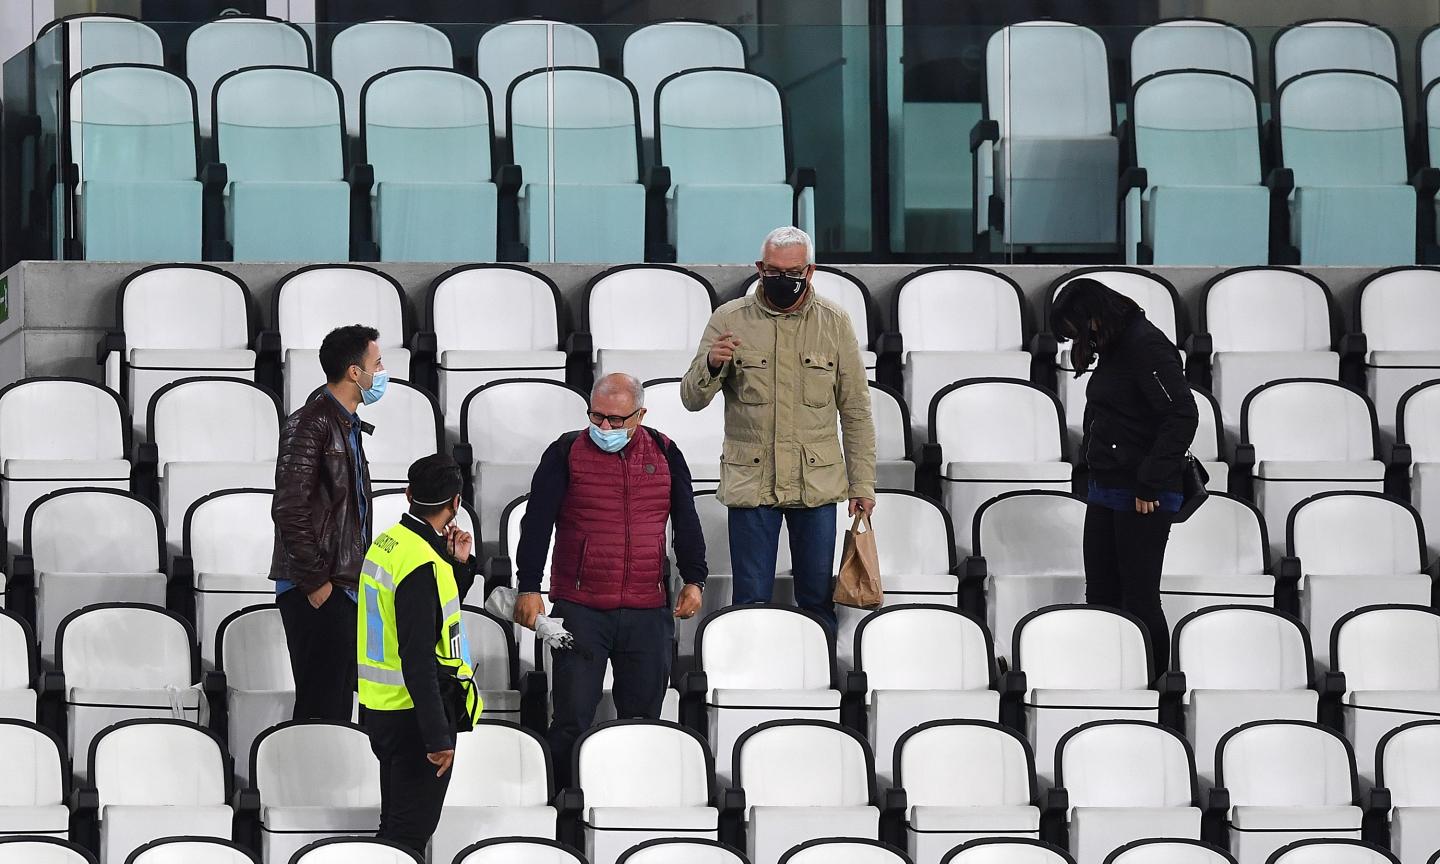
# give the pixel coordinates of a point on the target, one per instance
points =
(1124, 551)
(322, 654)
(410, 794)
(638, 643)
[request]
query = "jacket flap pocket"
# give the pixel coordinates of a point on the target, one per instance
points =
(824, 453)
(740, 453)
(752, 361)
(815, 360)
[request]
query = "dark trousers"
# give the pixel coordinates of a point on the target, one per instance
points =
(755, 540)
(322, 654)
(1124, 551)
(638, 643)
(410, 794)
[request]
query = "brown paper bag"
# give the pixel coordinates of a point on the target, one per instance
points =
(859, 582)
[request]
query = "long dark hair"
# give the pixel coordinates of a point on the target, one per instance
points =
(1084, 301)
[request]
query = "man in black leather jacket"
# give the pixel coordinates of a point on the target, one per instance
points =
(322, 524)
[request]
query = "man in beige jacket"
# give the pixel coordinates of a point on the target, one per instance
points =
(787, 362)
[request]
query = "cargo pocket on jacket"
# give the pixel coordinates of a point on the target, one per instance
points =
(824, 472)
(818, 372)
(741, 474)
(754, 379)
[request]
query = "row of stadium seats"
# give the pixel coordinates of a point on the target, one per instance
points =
(1095, 749)
(486, 322)
(1329, 182)
(540, 158)
(829, 850)
(1299, 437)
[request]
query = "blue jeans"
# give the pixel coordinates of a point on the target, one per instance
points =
(755, 540)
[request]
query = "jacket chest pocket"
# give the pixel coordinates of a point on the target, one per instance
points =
(338, 464)
(754, 379)
(818, 373)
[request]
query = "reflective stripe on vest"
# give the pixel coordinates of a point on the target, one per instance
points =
(393, 555)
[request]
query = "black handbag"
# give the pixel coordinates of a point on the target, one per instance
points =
(1193, 478)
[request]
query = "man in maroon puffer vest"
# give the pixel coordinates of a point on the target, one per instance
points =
(607, 493)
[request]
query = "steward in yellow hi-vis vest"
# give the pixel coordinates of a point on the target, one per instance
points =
(414, 668)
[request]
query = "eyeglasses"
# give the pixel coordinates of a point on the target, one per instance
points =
(615, 422)
(798, 273)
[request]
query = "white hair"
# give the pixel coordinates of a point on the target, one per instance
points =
(787, 236)
(619, 382)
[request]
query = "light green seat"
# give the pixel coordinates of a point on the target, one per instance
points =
(279, 133)
(427, 135)
(1054, 167)
(132, 138)
(100, 40)
(1192, 43)
(237, 42)
(1343, 135)
(581, 200)
(362, 51)
(1197, 137)
(722, 135)
(1330, 45)
(657, 51)
(509, 50)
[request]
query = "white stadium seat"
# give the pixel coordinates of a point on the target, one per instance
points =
(1027, 555)
(687, 849)
(989, 436)
(190, 850)
(952, 323)
(487, 322)
(643, 780)
(1125, 780)
(1287, 780)
(408, 427)
(757, 663)
(1241, 664)
(42, 850)
(1417, 455)
(309, 781)
(1398, 351)
(1354, 549)
(504, 429)
(493, 659)
(56, 433)
(208, 434)
(1218, 556)
(19, 666)
(1262, 324)
(803, 779)
(661, 342)
(1330, 851)
(355, 850)
(902, 688)
(148, 778)
(118, 557)
(310, 302)
(1007, 850)
(123, 661)
(175, 321)
(1300, 437)
(508, 850)
(35, 784)
(502, 787)
(1169, 851)
(849, 850)
(1404, 768)
(252, 683)
(700, 435)
(917, 559)
(1081, 664)
(226, 556)
(1388, 657)
(998, 797)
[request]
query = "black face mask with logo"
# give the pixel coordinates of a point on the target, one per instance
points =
(781, 291)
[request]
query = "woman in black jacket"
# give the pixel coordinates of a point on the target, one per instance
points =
(1140, 418)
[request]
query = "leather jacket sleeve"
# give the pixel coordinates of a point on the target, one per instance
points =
(297, 474)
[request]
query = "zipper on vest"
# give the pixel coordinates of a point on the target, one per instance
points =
(625, 487)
